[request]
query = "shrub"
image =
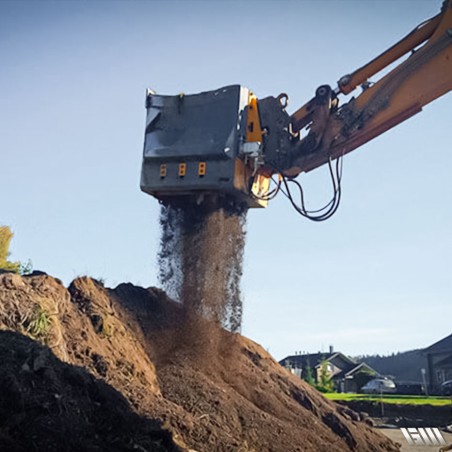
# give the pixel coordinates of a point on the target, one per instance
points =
(308, 377)
(23, 268)
(40, 325)
(5, 239)
(325, 382)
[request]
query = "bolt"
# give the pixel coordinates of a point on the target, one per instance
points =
(344, 80)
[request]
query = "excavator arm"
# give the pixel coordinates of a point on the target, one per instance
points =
(228, 143)
(335, 130)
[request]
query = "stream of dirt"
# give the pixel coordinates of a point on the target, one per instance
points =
(201, 257)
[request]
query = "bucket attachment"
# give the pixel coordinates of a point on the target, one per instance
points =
(198, 145)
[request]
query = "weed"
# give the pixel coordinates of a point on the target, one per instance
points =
(26, 268)
(40, 325)
(107, 327)
(245, 448)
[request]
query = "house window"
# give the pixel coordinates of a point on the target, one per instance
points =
(439, 376)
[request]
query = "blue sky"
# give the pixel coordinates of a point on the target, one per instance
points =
(374, 278)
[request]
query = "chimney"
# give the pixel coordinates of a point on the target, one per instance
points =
(331, 349)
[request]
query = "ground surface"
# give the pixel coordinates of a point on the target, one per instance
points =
(90, 368)
(392, 399)
(402, 414)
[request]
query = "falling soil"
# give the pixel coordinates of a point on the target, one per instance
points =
(94, 369)
(201, 256)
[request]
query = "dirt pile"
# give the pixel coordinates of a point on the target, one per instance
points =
(48, 405)
(45, 403)
(200, 258)
(130, 340)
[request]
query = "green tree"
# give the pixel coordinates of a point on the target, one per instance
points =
(325, 383)
(308, 377)
(5, 239)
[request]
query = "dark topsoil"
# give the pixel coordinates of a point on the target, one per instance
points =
(403, 415)
(126, 369)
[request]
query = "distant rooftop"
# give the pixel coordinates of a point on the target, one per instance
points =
(444, 345)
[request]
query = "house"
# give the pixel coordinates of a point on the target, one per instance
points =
(439, 362)
(347, 374)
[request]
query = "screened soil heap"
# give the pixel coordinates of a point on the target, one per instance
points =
(94, 369)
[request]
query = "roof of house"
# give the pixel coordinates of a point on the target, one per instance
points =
(315, 359)
(347, 365)
(306, 359)
(356, 368)
(444, 345)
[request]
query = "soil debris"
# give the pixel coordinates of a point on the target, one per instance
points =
(201, 257)
(237, 399)
(51, 406)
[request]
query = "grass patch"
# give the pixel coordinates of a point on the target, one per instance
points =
(391, 398)
(40, 325)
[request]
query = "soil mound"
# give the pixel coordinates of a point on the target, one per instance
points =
(51, 406)
(140, 354)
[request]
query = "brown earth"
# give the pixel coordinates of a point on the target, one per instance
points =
(403, 415)
(115, 362)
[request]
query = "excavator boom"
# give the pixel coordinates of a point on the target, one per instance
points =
(423, 77)
(229, 143)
